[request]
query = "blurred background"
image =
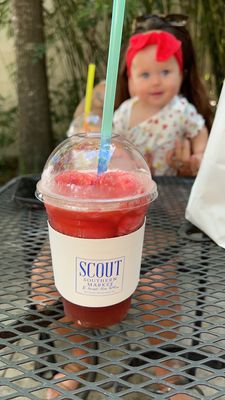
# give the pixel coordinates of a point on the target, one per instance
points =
(45, 49)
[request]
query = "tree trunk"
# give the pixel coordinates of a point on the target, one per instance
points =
(35, 136)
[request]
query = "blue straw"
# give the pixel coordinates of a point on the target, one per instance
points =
(110, 86)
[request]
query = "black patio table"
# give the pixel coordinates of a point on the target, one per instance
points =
(183, 293)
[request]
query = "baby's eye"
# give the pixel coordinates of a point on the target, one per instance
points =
(165, 72)
(145, 75)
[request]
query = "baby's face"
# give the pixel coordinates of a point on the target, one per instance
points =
(154, 82)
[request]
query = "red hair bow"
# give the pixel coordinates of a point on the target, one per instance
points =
(167, 46)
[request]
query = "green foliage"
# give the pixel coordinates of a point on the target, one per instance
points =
(8, 136)
(63, 100)
(213, 28)
(8, 168)
(7, 124)
(5, 16)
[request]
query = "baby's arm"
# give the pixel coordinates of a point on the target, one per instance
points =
(187, 155)
(198, 145)
(199, 142)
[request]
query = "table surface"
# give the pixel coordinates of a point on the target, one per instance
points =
(184, 294)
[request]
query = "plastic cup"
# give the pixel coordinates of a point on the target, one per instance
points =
(81, 124)
(96, 226)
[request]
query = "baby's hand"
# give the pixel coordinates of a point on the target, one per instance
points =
(195, 162)
(181, 159)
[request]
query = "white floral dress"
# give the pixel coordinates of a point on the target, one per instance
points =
(157, 134)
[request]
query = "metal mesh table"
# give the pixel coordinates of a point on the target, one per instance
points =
(176, 324)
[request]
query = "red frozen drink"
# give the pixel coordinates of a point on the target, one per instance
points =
(88, 206)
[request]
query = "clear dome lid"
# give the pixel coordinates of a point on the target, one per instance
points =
(70, 177)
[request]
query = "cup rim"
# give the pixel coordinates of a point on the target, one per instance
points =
(44, 195)
(71, 202)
